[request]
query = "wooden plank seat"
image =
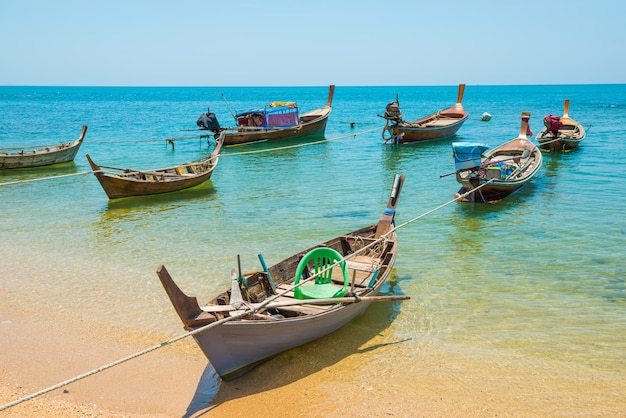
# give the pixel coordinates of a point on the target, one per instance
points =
(363, 266)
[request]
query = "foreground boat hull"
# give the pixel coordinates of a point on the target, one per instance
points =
(56, 154)
(235, 344)
(236, 347)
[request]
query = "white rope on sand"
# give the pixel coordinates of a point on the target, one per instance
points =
(115, 363)
(245, 312)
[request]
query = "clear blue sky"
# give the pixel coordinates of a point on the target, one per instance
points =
(310, 43)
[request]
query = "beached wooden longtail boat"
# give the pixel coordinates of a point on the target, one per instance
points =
(53, 154)
(500, 171)
(560, 133)
(124, 182)
(299, 299)
(441, 124)
(279, 120)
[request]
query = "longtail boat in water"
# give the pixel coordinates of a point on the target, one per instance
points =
(560, 133)
(297, 300)
(123, 182)
(278, 120)
(52, 154)
(498, 173)
(439, 125)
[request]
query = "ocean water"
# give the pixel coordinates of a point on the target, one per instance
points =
(540, 274)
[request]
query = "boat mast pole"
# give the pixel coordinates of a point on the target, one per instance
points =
(229, 108)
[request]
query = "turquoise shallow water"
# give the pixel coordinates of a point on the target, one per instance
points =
(541, 274)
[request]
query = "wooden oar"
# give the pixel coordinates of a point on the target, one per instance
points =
(385, 221)
(240, 307)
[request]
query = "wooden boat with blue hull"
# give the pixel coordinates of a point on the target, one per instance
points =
(499, 172)
(50, 155)
(297, 300)
(123, 182)
(279, 120)
(439, 125)
(560, 133)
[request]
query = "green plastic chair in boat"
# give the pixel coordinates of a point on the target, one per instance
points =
(322, 257)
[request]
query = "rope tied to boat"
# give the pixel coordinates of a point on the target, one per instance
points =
(355, 134)
(10, 183)
(239, 315)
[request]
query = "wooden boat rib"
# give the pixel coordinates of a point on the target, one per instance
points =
(54, 154)
(502, 170)
(365, 258)
(311, 123)
(123, 182)
(566, 137)
(441, 124)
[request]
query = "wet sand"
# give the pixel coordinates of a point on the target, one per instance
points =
(40, 351)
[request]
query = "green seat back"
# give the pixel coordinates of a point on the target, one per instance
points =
(321, 258)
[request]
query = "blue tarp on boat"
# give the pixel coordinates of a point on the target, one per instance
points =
(467, 155)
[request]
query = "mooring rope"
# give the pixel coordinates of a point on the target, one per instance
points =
(352, 123)
(44, 178)
(299, 145)
(247, 311)
(221, 155)
(115, 363)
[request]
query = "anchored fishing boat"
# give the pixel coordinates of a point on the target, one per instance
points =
(278, 120)
(441, 124)
(560, 133)
(299, 299)
(53, 154)
(124, 182)
(500, 172)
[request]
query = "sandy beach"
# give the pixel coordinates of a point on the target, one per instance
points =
(39, 351)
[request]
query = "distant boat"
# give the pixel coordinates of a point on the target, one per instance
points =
(278, 120)
(498, 173)
(439, 125)
(560, 133)
(299, 299)
(124, 182)
(53, 154)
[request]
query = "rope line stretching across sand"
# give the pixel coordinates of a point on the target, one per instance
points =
(247, 311)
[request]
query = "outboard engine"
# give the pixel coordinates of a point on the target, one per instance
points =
(208, 121)
(393, 112)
